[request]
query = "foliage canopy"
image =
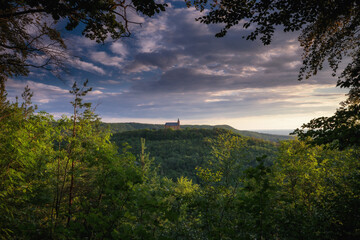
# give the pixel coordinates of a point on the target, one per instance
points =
(341, 130)
(64, 179)
(29, 36)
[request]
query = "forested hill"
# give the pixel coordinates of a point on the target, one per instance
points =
(123, 127)
(178, 153)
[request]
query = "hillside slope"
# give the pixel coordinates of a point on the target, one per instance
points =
(178, 153)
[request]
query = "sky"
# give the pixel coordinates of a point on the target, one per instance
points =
(173, 67)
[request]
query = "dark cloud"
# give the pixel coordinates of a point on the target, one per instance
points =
(175, 67)
(191, 59)
(184, 80)
(163, 60)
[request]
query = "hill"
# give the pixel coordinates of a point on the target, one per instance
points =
(123, 127)
(178, 153)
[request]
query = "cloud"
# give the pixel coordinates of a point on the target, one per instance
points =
(43, 93)
(227, 105)
(148, 61)
(184, 80)
(111, 82)
(189, 57)
(82, 43)
(86, 66)
(182, 70)
(151, 33)
(173, 66)
(119, 48)
(95, 93)
(103, 58)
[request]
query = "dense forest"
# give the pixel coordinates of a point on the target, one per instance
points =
(70, 179)
(178, 153)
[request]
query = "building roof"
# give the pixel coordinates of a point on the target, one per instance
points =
(172, 124)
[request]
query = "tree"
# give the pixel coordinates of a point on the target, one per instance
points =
(77, 105)
(317, 191)
(221, 181)
(257, 201)
(64, 179)
(329, 29)
(29, 36)
(341, 130)
(25, 150)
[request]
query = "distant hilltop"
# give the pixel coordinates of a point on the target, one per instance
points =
(131, 126)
